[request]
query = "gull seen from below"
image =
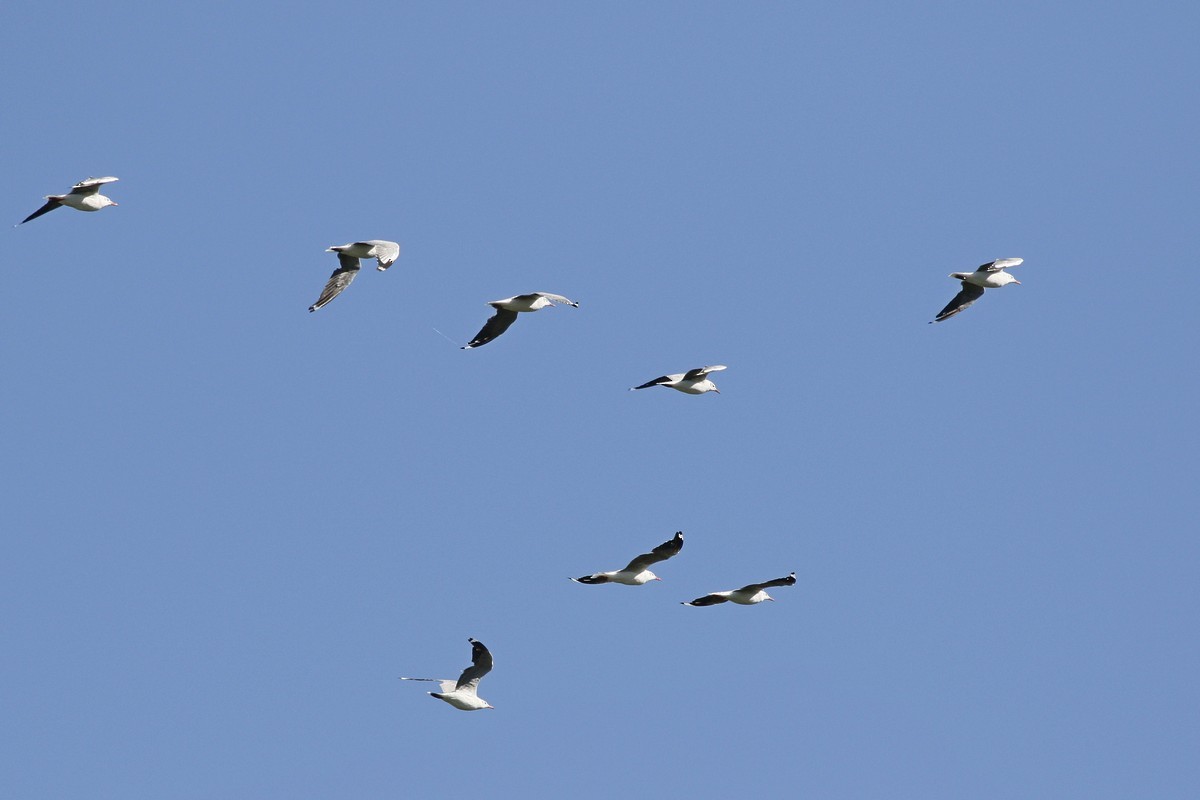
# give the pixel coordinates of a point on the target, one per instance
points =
(635, 574)
(461, 693)
(694, 381)
(84, 196)
(745, 596)
(988, 276)
(507, 310)
(384, 252)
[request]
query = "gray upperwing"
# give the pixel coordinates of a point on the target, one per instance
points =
(660, 553)
(342, 277)
(755, 588)
(481, 664)
(496, 325)
(999, 264)
(961, 302)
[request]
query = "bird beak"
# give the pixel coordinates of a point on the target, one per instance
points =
(718, 391)
(116, 204)
(658, 579)
(1018, 283)
(772, 599)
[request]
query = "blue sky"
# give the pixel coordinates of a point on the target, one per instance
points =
(231, 524)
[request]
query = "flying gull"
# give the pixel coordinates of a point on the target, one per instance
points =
(461, 693)
(636, 573)
(988, 276)
(382, 251)
(507, 310)
(745, 596)
(84, 196)
(691, 382)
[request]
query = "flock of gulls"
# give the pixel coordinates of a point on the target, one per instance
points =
(463, 693)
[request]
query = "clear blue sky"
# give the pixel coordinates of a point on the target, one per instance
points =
(231, 524)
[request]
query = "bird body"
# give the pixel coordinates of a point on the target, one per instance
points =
(384, 252)
(749, 595)
(694, 381)
(84, 196)
(507, 310)
(636, 572)
(988, 276)
(463, 693)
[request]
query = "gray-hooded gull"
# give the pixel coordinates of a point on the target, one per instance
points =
(462, 693)
(384, 252)
(988, 276)
(694, 381)
(745, 596)
(84, 196)
(507, 310)
(635, 574)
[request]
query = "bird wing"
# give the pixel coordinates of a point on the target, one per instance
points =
(709, 599)
(557, 298)
(497, 324)
(342, 277)
(46, 209)
(661, 553)
(969, 294)
(386, 252)
(659, 381)
(91, 185)
(755, 588)
(699, 372)
(446, 684)
(481, 664)
(999, 264)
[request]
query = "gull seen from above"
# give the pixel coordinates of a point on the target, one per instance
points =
(635, 574)
(84, 196)
(384, 252)
(745, 596)
(988, 276)
(462, 693)
(507, 310)
(694, 381)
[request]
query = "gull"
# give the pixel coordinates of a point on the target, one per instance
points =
(84, 196)
(461, 693)
(507, 310)
(745, 596)
(382, 251)
(988, 276)
(635, 574)
(691, 382)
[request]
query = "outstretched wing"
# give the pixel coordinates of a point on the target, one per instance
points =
(659, 381)
(660, 553)
(755, 588)
(496, 325)
(999, 264)
(342, 277)
(446, 684)
(599, 577)
(558, 298)
(46, 209)
(699, 372)
(90, 186)
(481, 664)
(709, 599)
(963, 300)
